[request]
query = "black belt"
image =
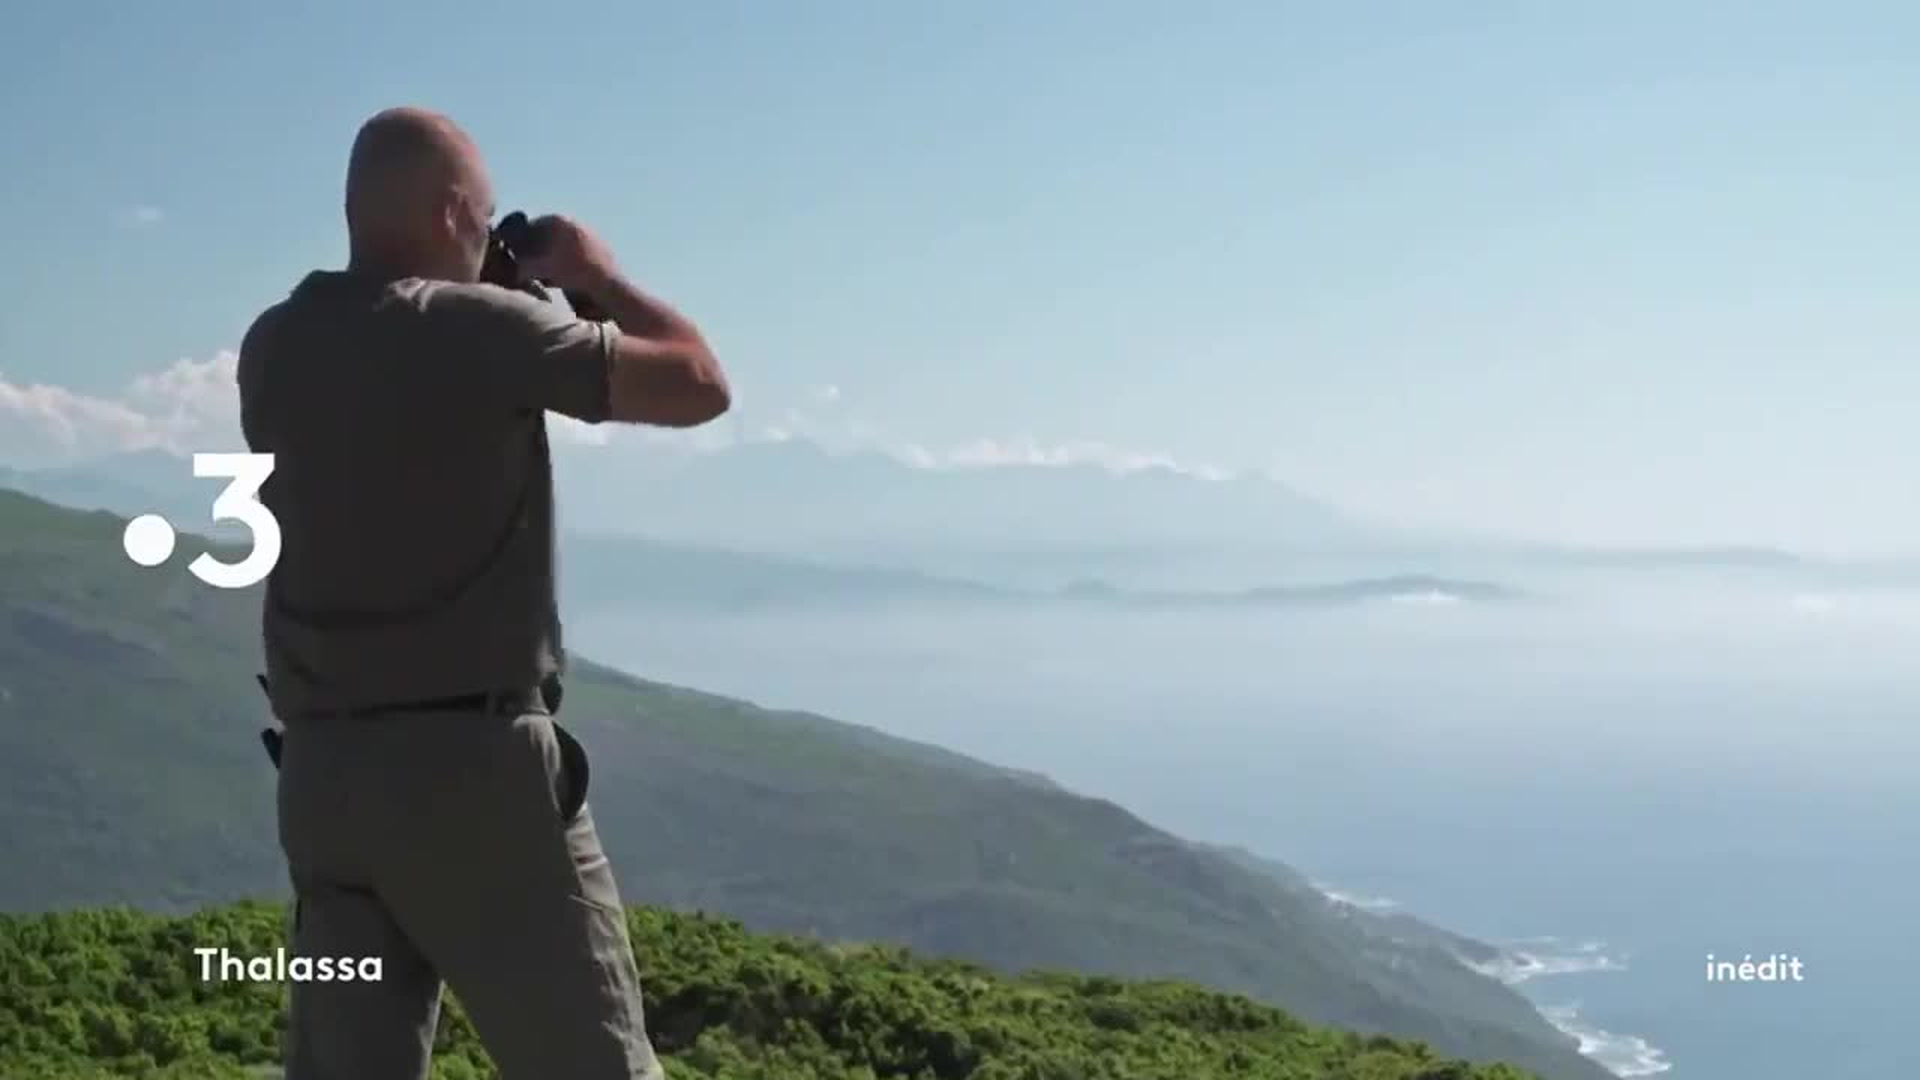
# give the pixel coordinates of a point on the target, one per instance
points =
(482, 702)
(496, 701)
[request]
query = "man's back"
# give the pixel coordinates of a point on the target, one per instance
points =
(433, 812)
(412, 599)
(412, 483)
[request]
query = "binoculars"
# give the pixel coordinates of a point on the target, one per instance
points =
(514, 238)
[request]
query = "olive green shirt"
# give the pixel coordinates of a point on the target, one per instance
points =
(413, 484)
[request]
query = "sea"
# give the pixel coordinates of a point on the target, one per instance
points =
(1620, 782)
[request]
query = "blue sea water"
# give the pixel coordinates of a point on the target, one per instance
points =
(1615, 790)
(1636, 910)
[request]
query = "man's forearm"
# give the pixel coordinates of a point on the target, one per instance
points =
(662, 371)
(642, 316)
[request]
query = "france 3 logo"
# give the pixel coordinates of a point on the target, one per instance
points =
(149, 539)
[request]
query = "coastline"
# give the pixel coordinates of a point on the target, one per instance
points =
(1520, 962)
(1526, 960)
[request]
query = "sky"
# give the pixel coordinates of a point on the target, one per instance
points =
(1629, 274)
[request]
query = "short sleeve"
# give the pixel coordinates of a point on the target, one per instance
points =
(515, 351)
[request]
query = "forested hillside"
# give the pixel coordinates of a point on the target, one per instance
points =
(130, 773)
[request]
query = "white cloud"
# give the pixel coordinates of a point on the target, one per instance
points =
(194, 403)
(141, 217)
(824, 420)
(45, 422)
(1814, 605)
(1016, 451)
(194, 406)
(1026, 450)
(191, 406)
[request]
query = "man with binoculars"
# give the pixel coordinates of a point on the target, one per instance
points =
(432, 812)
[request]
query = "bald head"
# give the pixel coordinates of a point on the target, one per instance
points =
(418, 198)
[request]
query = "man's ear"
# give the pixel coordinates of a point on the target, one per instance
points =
(450, 211)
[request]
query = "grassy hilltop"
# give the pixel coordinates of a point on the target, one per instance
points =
(114, 993)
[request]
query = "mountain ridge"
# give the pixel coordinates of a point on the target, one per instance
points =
(600, 573)
(782, 819)
(823, 497)
(910, 518)
(603, 571)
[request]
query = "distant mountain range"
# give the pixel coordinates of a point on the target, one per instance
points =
(150, 482)
(129, 774)
(601, 573)
(797, 496)
(798, 502)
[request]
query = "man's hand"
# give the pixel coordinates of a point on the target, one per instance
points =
(569, 256)
(661, 371)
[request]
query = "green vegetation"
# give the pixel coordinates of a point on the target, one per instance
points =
(115, 993)
(130, 774)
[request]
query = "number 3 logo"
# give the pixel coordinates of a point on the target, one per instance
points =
(240, 502)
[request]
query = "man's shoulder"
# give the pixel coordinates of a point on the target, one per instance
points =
(328, 291)
(324, 296)
(420, 314)
(478, 301)
(265, 332)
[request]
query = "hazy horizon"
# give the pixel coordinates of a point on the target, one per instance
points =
(957, 539)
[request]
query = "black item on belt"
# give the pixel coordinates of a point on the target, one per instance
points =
(550, 694)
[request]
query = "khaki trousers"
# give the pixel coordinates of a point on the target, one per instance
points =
(458, 848)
